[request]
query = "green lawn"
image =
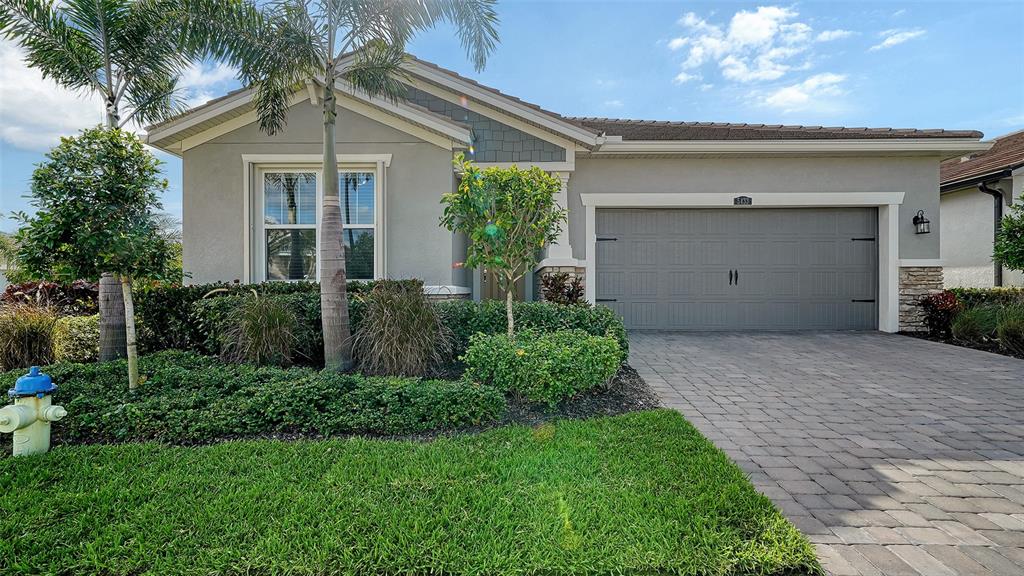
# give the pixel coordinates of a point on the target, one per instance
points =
(641, 493)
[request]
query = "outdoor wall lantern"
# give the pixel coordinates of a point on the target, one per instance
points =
(922, 225)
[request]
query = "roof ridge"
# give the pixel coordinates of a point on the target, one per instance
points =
(745, 125)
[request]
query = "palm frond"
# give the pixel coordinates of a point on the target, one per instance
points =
(377, 70)
(153, 98)
(60, 51)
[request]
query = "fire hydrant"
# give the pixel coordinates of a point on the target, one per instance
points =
(30, 415)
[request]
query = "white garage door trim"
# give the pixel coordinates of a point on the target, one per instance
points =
(888, 229)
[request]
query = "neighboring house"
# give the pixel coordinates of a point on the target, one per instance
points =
(976, 189)
(674, 225)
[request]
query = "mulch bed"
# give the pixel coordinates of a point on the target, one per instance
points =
(990, 346)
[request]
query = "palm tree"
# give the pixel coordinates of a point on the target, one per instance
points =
(120, 50)
(283, 45)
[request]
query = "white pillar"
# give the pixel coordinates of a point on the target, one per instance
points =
(561, 248)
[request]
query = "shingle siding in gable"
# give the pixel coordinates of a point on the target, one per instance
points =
(492, 140)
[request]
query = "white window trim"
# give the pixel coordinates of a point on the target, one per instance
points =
(888, 204)
(254, 164)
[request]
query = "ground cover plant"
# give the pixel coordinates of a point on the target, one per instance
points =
(187, 398)
(640, 493)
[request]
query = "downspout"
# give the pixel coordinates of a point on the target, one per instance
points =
(997, 221)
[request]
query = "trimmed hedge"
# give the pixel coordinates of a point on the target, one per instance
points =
(187, 398)
(463, 318)
(973, 297)
(542, 366)
(164, 313)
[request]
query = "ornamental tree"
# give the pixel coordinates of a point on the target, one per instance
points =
(96, 200)
(509, 215)
(1009, 246)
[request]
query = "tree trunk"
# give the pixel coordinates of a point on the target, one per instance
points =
(112, 328)
(509, 297)
(129, 316)
(333, 278)
(111, 302)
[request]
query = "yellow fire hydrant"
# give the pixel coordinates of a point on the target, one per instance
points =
(30, 415)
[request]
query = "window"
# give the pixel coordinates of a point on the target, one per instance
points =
(290, 232)
(358, 217)
(289, 223)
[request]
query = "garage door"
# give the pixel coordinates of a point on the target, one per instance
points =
(739, 269)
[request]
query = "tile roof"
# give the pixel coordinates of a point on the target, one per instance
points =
(1006, 153)
(665, 130)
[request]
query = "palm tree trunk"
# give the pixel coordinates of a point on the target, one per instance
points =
(111, 301)
(112, 322)
(333, 286)
(129, 316)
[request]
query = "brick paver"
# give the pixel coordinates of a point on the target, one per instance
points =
(894, 455)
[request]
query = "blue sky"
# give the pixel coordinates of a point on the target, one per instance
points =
(937, 64)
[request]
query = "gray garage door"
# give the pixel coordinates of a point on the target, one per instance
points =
(740, 268)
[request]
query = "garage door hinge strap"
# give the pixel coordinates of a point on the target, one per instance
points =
(606, 239)
(605, 300)
(862, 239)
(855, 300)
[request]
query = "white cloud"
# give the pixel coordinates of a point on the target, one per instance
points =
(814, 92)
(613, 103)
(677, 43)
(35, 112)
(895, 37)
(830, 35)
(706, 87)
(899, 13)
(756, 46)
(683, 78)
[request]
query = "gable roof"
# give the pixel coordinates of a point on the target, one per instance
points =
(1006, 153)
(665, 130)
(605, 135)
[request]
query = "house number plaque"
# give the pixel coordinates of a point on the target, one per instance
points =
(742, 201)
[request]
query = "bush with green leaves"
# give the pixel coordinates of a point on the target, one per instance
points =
(167, 311)
(976, 325)
(466, 318)
(999, 296)
(260, 330)
(77, 339)
(400, 333)
(188, 398)
(546, 367)
(26, 336)
(1008, 249)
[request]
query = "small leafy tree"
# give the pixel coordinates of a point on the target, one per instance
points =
(509, 215)
(96, 200)
(1009, 246)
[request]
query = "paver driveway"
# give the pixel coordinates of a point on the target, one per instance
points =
(894, 455)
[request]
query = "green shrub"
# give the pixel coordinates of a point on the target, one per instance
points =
(26, 336)
(211, 316)
(77, 339)
(466, 318)
(1010, 330)
(166, 312)
(188, 398)
(975, 325)
(542, 366)
(400, 333)
(1002, 296)
(260, 330)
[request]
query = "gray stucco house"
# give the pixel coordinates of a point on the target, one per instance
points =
(676, 225)
(976, 190)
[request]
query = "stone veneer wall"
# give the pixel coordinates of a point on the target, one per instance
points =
(915, 283)
(576, 271)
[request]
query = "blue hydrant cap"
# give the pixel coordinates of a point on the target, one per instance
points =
(33, 383)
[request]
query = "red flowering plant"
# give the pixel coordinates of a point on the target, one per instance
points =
(939, 311)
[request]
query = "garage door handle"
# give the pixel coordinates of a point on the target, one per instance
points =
(605, 300)
(856, 300)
